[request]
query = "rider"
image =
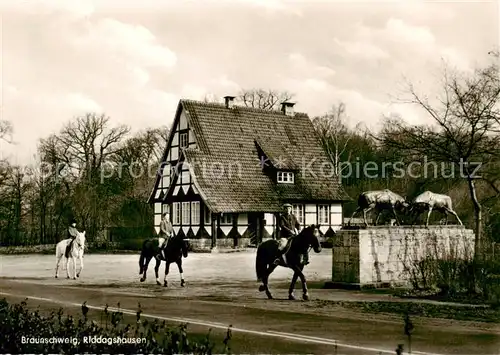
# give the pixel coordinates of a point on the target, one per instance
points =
(289, 228)
(166, 231)
(72, 233)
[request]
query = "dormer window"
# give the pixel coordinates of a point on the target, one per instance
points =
(183, 140)
(285, 177)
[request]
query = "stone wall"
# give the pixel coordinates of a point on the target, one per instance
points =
(382, 255)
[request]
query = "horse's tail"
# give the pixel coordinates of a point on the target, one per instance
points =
(59, 253)
(261, 263)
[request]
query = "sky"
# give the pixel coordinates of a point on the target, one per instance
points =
(134, 60)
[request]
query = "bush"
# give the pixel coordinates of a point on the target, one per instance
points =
(453, 273)
(17, 322)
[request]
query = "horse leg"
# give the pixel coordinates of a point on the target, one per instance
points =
(292, 286)
(365, 211)
(81, 266)
(157, 268)
(456, 216)
(352, 216)
(67, 268)
(395, 215)
(167, 269)
(144, 268)
(181, 272)
(265, 281)
(298, 271)
(58, 260)
(428, 216)
(74, 267)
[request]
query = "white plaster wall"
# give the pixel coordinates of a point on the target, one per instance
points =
(183, 123)
(175, 138)
(310, 208)
(269, 218)
(174, 153)
(242, 218)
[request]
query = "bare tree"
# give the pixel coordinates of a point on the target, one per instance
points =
(88, 141)
(5, 130)
(465, 130)
(77, 155)
(263, 99)
(334, 133)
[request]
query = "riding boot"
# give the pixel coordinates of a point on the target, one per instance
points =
(279, 258)
(305, 258)
(161, 254)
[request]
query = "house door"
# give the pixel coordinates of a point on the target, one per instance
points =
(255, 227)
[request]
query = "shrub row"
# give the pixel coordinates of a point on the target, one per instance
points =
(25, 331)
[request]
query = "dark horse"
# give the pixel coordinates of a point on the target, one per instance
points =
(267, 252)
(174, 251)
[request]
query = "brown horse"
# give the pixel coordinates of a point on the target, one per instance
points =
(174, 251)
(268, 252)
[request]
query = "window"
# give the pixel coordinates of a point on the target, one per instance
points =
(185, 213)
(285, 177)
(166, 209)
(324, 214)
(176, 215)
(195, 212)
(298, 211)
(208, 216)
(165, 180)
(226, 218)
(183, 140)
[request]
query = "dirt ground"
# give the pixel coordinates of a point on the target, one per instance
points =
(221, 289)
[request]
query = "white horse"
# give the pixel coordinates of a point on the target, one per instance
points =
(75, 252)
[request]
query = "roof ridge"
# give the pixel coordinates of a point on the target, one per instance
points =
(245, 108)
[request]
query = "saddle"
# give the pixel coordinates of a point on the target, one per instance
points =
(280, 255)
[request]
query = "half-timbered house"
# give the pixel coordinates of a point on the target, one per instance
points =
(227, 170)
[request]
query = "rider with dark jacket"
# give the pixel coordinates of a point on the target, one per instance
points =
(72, 233)
(289, 228)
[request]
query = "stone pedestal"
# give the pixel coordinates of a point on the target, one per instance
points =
(381, 256)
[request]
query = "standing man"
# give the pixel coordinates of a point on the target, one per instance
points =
(166, 231)
(289, 228)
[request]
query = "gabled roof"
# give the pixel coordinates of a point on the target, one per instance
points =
(230, 138)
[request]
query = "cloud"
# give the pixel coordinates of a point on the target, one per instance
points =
(110, 37)
(81, 103)
(273, 6)
(301, 66)
(361, 49)
(400, 31)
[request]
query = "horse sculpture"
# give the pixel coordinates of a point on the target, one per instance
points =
(75, 252)
(428, 201)
(174, 251)
(268, 251)
(380, 200)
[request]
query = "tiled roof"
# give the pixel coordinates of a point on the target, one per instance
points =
(231, 137)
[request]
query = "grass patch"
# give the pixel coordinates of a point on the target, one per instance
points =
(421, 309)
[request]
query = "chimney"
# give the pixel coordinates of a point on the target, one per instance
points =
(287, 108)
(229, 101)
